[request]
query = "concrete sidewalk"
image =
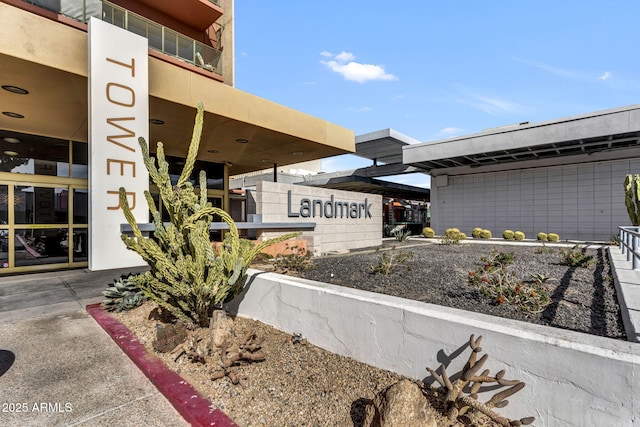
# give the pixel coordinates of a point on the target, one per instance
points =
(59, 367)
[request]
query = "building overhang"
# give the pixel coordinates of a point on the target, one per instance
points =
(54, 71)
(198, 14)
(601, 135)
(384, 146)
(364, 184)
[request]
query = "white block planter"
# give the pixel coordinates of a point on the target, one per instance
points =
(573, 379)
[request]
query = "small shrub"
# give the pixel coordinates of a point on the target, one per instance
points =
(495, 281)
(389, 260)
(614, 240)
(542, 236)
(402, 235)
(553, 237)
(576, 257)
(540, 278)
(428, 232)
(452, 236)
(475, 233)
(543, 249)
(508, 235)
(123, 294)
(496, 259)
(298, 260)
(485, 234)
(462, 236)
(519, 235)
(451, 232)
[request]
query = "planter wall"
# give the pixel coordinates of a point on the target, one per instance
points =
(573, 379)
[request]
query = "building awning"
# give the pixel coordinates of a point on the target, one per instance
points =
(600, 132)
(384, 146)
(370, 185)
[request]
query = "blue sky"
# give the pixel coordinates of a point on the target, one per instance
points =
(433, 70)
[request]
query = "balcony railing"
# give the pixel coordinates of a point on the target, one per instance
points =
(163, 39)
(160, 37)
(630, 245)
(79, 10)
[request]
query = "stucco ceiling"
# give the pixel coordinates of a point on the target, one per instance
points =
(57, 105)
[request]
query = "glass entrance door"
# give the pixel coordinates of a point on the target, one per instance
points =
(42, 226)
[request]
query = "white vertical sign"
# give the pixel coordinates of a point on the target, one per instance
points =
(118, 116)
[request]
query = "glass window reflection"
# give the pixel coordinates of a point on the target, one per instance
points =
(33, 155)
(80, 168)
(40, 205)
(40, 246)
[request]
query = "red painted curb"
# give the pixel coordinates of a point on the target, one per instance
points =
(194, 408)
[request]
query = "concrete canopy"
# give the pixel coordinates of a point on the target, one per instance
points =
(54, 72)
(383, 146)
(595, 135)
(364, 184)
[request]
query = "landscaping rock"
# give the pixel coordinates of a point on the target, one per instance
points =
(221, 328)
(400, 405)
(169, 336)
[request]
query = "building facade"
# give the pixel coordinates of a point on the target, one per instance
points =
(45, 125)
(563, 176)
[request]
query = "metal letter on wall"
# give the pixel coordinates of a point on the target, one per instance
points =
(118, 116)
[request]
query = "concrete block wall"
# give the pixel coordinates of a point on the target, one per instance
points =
(331, 234)
(572, 378)
(579, 202)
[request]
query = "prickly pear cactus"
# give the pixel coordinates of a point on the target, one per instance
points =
(187, 277)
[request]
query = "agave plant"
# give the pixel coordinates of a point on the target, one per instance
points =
(123, 295)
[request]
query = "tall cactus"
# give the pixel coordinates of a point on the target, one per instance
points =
(187, 277)
(632, 197)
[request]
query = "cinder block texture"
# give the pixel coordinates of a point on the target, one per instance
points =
(579, 202)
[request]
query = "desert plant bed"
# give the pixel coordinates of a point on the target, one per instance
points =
(296, 384)
(581, 298)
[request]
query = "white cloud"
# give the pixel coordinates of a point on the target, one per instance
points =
(491, 104)
(344, 57)
(605, 76)
(551, 69)
(449, 131)
(570, 74)
(344, 64)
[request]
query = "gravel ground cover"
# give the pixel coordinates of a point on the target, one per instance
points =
(583, 299)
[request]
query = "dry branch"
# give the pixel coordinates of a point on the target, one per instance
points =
(458, 403)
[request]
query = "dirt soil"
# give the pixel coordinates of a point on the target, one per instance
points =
(298, 384)
(302, 385)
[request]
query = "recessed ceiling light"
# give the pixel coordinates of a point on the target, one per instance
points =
(242, 141)
(15, 89)
(11, 140)
(267, 161)
(213, 151)
(298, 153)
(156, 121)
(11, 153)
(12, 114)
